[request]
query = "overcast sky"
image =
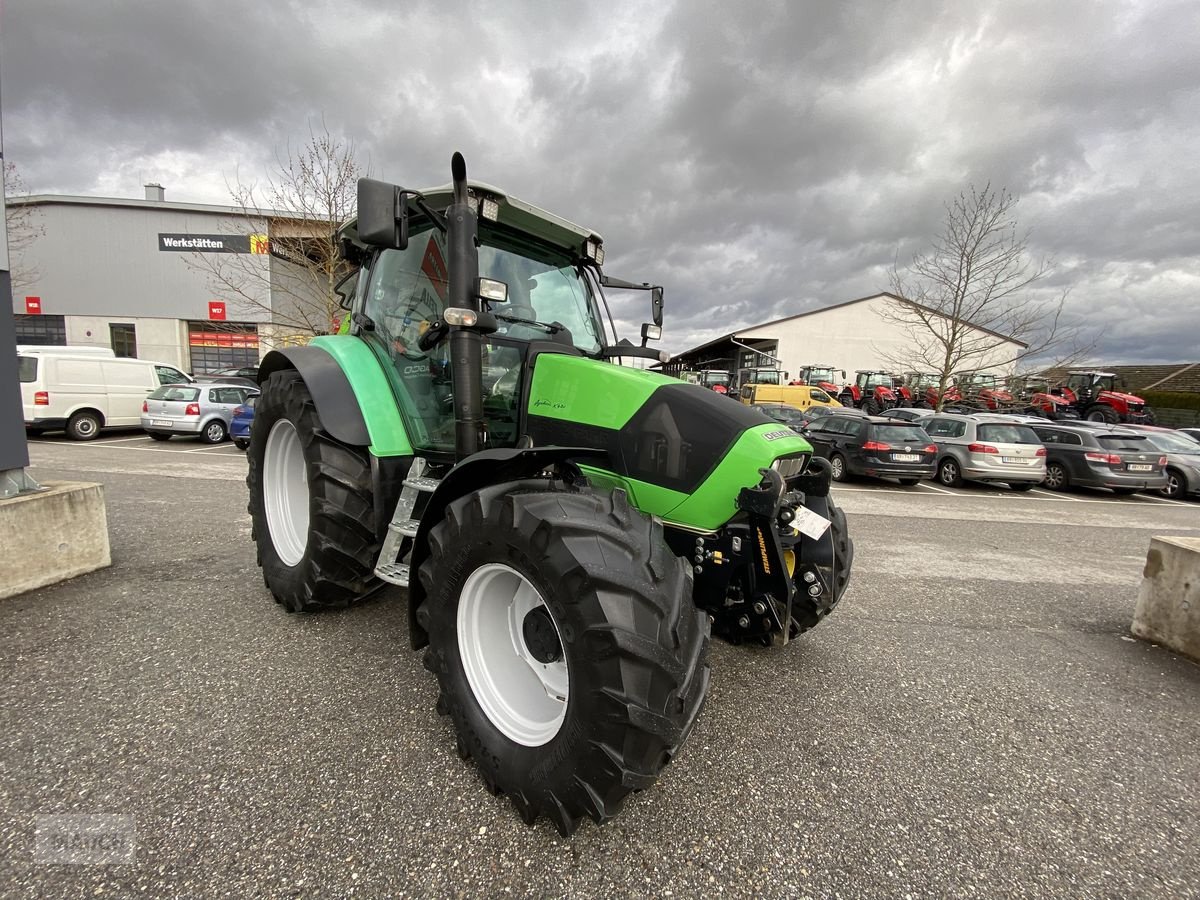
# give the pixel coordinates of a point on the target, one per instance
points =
(757, 159)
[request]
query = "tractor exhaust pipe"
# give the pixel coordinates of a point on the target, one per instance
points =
(466, 353)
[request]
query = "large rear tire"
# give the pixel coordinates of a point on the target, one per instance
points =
(1103, 413)
(568, 651)
(311, 505)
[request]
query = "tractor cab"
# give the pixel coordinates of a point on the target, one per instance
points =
(539, 287)
(825, 377)
(761, 375)
(715, 381)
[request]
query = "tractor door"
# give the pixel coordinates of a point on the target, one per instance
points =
(406, 291)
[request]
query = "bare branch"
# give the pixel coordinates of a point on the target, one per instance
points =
(24, 228)
(969, 301)
(300, 205)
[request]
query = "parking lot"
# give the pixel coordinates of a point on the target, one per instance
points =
(974, 720)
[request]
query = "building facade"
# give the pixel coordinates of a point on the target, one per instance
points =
(853, 336)
(137, 276)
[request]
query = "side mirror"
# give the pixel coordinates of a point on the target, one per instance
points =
(656, 304)
(382, 214)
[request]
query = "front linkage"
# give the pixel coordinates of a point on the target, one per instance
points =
(762, 578)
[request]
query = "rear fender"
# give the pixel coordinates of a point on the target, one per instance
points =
(479, 470)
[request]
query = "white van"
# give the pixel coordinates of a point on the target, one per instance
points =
(84, 389)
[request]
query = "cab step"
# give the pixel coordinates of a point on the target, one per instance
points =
(403, 527)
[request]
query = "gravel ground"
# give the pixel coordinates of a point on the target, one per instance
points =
(973, 721)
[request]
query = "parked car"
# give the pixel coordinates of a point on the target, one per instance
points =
(1193, 433)
(907, 413)
(1113, 458)
(794, 418)
(195, 410)
(1183, 462)
(986, 449)
(874, 446)
(81, 390)
(240, 424)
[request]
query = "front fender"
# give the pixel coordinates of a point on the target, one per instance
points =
(331, 391)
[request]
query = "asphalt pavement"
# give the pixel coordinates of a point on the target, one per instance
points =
(973, 720)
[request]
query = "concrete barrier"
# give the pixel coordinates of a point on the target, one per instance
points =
(1168, 605)
(52, 535)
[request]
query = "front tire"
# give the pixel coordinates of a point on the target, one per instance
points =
(520, 578)
(1102, 413)
(311, 505)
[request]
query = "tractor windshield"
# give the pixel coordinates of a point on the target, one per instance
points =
(877, 379)
(547, 293)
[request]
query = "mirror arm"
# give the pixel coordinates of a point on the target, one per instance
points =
(436, 217)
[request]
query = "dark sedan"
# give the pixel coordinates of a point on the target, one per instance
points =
(873, 446)
(1116, 459)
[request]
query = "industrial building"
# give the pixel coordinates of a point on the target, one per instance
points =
(856, 335)
(132, 275)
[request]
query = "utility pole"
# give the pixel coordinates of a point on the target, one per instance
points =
(14, 451)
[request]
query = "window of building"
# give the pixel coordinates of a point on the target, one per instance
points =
(45, 331)
(124, 340)
(225, 345)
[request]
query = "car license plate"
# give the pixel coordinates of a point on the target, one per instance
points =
(906, 457)
(1140, 467)
(165, 422)
(1014, 460)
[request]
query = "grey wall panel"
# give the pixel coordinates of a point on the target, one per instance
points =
(99, 260)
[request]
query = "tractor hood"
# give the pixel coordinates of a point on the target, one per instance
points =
(682, 451)
(1123, 398)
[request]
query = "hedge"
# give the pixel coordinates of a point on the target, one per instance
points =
(1170, 399)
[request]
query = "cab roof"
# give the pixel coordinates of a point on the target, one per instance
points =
(514, 213)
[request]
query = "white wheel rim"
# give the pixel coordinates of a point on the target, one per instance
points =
(214, 432)
(285, 492)
(524, 698)
(836, 465)
(85, 426)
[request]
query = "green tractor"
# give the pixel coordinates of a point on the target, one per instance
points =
(569, 530)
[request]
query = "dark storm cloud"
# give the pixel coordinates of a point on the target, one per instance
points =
(757, 159)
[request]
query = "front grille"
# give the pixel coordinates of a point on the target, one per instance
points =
(787, 466)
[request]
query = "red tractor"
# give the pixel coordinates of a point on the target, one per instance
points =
(824, 377)
(1094, 397)
(1034, 393)
(873, 392)
(922, 390)
(984, 391)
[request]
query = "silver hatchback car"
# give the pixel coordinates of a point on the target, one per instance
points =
(194, 410)
(987, 449)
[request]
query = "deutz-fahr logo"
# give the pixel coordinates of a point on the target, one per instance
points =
(776, 435)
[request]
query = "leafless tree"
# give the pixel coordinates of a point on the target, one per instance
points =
(290, 218)
(24, 227)
(962, 303)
